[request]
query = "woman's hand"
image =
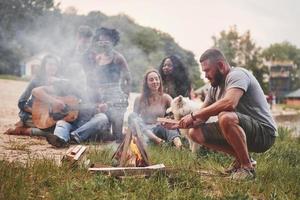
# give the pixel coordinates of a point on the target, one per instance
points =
(102, 107)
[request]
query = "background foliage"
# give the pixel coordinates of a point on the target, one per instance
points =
(31, 27)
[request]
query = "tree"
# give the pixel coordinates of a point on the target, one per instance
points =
(240, 50)
(285, 51)
(16, 17)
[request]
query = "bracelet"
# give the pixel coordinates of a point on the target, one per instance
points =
(193, 117)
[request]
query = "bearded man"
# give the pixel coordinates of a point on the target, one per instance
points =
(245, 123)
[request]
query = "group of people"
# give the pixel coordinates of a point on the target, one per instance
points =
(244, 125)
(105, 87)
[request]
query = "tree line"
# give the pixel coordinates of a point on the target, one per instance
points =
(29, 27)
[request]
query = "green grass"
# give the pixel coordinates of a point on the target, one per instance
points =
(12, 77)
(289, 107)
(278, 177)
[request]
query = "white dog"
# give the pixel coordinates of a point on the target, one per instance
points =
(181, 106)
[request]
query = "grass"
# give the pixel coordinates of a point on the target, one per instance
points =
(278, 177)
(288, 107)
(13, 77)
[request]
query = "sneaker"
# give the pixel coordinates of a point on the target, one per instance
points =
(235, 166)
(75, 137)
(108, 137)
(253, 162)
(56, 141)
(243, 174)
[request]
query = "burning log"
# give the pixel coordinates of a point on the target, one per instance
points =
(131, 152)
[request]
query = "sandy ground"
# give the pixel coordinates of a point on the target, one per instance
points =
(22, 148)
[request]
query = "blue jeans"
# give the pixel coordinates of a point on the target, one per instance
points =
(156, 129)
(81, 133)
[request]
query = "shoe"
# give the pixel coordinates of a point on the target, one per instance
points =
(243, 174)
(56, 141)
(108, 137)
(24, 131)
(253, 162)
(235, 166)
(75, 137)
(119, 138)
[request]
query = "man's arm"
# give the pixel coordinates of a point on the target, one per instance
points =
(227, 103)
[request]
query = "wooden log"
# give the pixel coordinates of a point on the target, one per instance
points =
(129, 171)
(127, 140)
(79, 153)
(73, 154)
(76, 149)
(140, 143)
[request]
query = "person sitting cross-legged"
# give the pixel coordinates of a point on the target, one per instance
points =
(150, 105)
(89, 123)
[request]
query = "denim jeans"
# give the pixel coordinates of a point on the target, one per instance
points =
(157, 129)
(81, 133)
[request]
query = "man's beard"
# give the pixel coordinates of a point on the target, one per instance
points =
(217, 79)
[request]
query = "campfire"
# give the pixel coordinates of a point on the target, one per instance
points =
(131, 152)
(131, 158)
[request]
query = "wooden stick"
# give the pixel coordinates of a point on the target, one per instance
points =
(76, 149)
(140, 144)
(80, 152)
(122, 171)
(127, 140)
(166, 120)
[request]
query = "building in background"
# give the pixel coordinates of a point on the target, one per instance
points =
(280, 79)
(31, 65)
(293, 98)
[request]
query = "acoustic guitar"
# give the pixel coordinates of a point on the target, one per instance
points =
(44, 116)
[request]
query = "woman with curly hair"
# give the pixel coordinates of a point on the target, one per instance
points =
(151, 104)
(175, 77)
(108, 77)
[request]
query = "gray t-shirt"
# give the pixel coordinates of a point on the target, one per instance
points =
(253, 102)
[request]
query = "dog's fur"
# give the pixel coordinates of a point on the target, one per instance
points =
(180, 107)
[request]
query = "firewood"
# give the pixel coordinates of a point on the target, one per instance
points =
(129, 171)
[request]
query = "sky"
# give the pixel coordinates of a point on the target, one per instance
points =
(192, 23)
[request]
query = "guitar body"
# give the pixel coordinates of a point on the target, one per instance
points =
(44, 117)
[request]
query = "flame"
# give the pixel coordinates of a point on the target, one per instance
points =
(135, 150)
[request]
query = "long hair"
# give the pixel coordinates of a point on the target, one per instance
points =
(179, 75)
(146, 91)
(41, 74)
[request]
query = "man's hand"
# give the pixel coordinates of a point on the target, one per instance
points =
(186, 122)
(102, 107)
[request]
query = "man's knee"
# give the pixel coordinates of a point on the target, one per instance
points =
(227, 118)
